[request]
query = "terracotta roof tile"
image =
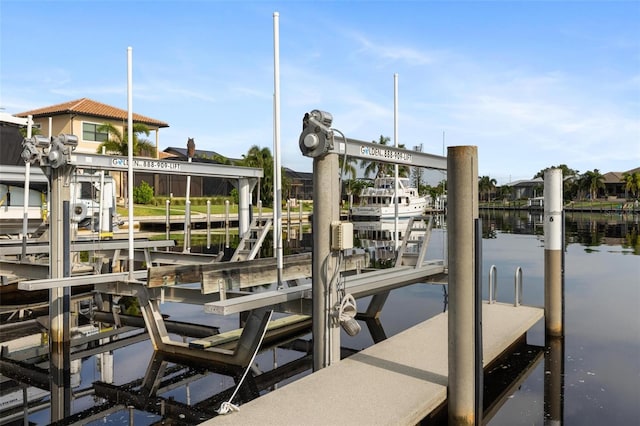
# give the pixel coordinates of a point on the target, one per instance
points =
(92, 108)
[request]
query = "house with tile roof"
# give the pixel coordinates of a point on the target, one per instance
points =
(82, 117)
(614, 185)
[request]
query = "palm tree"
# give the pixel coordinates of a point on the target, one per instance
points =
(381, 169)
(34, 131)
(486, 185)
(118, 143)
(632, 183)
(506, 191)
(592, 181)
(348, 167)
(261, 158)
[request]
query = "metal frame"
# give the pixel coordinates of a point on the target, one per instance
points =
(386, 154)
(149, 165)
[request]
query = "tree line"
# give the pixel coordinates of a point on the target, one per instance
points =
(576, 185)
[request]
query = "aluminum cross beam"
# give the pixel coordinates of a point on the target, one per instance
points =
(386, 154)
(150, 165)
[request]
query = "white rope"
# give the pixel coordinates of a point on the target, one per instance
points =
(227, 407)
(346, 315)
(348, 309)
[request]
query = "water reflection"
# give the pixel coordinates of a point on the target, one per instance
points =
(118, 378)
(587, 229)
(554, 381)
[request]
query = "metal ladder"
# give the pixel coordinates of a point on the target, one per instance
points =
(417, 223)
(251, 241)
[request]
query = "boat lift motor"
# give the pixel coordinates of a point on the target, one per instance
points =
(316, 138)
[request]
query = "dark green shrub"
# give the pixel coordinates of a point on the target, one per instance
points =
(143, 194)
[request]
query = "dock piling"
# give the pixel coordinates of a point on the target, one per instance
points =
(553, 246)
(462, 174)
(326, 196)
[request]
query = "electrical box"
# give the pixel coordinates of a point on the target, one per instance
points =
(341, 235)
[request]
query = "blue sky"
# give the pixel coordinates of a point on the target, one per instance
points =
(532, 84)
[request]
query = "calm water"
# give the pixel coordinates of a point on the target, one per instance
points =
(602, 325)
(602, 319)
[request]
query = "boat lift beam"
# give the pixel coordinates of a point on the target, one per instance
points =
(148, 165)
(386, 154)
(244, 178)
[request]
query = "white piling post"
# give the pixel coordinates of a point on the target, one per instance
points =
(553, 297)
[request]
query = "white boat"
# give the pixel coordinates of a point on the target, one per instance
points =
(12, 197)
(378, 238)
(379, 202)
(90, 205)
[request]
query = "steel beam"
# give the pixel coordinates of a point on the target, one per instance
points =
(149, 165)
(387, 154)
(19, 269)
(78, 281)
(77, 246)
(362, 285)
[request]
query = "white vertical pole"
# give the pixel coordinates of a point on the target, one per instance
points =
(208, 224)
(130, 154)
(395, 141)
(27, 176)
(277, 199)
(187, 215)
(226, 223)
(101, 221)
(553, 247)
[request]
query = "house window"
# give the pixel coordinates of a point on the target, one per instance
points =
(90, 133)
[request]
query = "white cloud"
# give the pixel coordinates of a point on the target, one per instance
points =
(391, 52)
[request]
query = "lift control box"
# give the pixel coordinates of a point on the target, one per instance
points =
(341, 235)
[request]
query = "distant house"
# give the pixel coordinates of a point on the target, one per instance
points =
(614, 185)
(200, 186)
(530, 188)
(300, 184)
(82, 117)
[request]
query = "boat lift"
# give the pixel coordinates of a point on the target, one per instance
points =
(321, 142)
(58, 159)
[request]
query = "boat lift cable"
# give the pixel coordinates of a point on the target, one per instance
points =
(344, 159)
(227, 407)
(346, 308)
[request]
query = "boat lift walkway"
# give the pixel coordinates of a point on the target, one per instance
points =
(398, 381)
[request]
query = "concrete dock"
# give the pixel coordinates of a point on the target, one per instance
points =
(396, 382)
